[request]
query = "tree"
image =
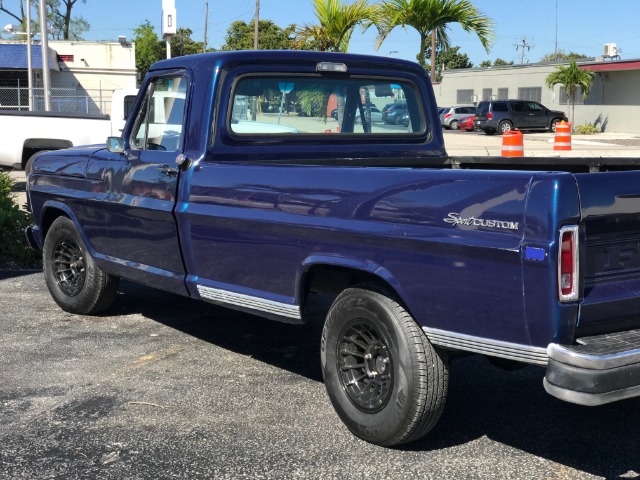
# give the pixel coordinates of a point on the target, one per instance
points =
(450, 59)
(70, 28)
(149, 48)
(561, 56)
(183, 44)
(572, 78)
(336, 22)
(431, 19)
(18, 13)
(498, 62)
(62, 24)
(272, 37)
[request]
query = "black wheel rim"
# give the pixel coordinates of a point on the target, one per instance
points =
(365, 366)
(68, 266)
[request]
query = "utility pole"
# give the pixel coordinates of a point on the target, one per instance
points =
(524, 45)
(255, 25)
(206, 22)
(556, 45)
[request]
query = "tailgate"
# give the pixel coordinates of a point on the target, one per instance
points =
(610, 207)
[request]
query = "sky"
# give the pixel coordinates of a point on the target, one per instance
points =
(581, 26)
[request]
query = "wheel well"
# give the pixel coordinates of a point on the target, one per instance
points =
(34, 145)
(323, 283)
(50, 215)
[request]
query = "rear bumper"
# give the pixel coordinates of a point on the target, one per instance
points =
(601, 369)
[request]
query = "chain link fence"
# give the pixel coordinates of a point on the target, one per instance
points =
(70, 100)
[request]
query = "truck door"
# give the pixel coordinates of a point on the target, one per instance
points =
(143, 187)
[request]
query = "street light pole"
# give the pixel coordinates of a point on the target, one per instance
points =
(44, 45)
(29, 61)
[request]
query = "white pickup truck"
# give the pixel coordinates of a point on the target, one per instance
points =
(26, 133)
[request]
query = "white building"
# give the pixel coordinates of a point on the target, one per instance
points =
(83, 74)
(612, 104)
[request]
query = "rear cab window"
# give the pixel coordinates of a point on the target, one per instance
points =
(313, 105)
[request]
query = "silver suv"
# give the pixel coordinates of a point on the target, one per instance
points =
(450, 116)
(504, 115)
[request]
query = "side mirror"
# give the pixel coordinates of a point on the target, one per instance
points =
(115, 144)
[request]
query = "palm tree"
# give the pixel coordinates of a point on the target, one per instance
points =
(571, 77)
(431, 19)
(336, 22)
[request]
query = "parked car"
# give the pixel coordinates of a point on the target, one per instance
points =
(376, 115)
(503, 115)
(450, 116)
(403, 119)
(467, 123)
(390, 112)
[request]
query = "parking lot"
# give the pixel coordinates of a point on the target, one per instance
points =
(161, 386)
(165, 387)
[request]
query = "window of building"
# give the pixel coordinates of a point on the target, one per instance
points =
(486, 94)
(503, 93)
(465, 96)
(564, 98)
(530, 93)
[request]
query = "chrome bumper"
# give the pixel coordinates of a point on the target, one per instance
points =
(600, 369)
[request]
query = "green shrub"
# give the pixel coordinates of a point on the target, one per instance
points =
(14, 248)
(586, 129)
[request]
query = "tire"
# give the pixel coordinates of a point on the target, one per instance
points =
(384, 378)
(554, 122)
(29, 165)
(74, 281)
(454, 125)
(505, 126)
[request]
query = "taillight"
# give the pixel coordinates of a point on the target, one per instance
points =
(448, 115)
(568, 264)
(490, 115)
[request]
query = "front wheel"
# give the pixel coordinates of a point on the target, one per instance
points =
(385, 380)
(75, 282)
(554, 124)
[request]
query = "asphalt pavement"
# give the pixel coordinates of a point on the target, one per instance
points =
(162, 386)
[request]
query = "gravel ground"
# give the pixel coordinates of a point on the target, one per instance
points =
(165, 387)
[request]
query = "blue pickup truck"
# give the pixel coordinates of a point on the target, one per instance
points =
(233, 183)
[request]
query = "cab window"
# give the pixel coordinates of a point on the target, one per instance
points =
(311, 105)
(161, 118)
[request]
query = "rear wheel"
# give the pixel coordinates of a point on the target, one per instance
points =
(385, 380)
(454, 125)
(505, 126)
(75, 282)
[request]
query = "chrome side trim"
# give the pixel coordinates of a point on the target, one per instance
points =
(487, 346)
(250, 302)
(591, 361)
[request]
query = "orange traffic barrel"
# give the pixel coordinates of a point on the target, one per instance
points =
(512, 144)
(563, 136)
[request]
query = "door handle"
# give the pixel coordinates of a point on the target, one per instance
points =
(168, 171)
